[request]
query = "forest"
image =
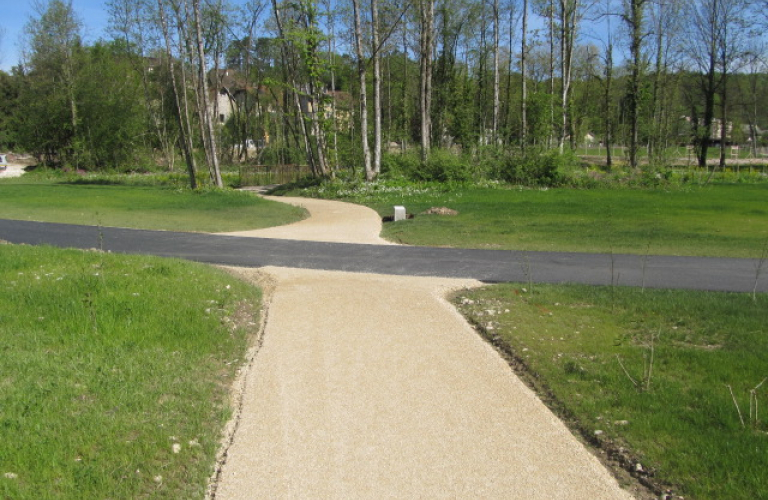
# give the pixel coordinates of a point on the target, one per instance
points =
(349, 84)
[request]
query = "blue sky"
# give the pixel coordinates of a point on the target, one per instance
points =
(14, 15)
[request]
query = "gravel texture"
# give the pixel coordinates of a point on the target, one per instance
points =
(369, 387)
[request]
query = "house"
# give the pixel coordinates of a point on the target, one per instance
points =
(226, 89)
(716, 129)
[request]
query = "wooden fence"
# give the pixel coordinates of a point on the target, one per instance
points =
(266, 175)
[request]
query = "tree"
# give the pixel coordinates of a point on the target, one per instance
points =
(179, 97)
(524, 78)
(363, 86)
(569, 16)
(714, 43)
(209, 138)
(634, 17)
(51, 67)
(426, 44)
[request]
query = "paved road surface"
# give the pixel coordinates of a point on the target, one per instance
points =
(486, 265)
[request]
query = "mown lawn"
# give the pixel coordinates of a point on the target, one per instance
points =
(715, 220)
(651, 372)
(115, 372)
(144, 207)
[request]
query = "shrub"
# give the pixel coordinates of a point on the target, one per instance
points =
(536, 168)
(441, 166)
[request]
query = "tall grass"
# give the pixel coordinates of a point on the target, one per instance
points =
(115, 372)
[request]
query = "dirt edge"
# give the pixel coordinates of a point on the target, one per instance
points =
(267, 283)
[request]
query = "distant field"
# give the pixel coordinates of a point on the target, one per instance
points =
(144, 207)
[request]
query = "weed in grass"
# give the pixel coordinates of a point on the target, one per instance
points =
(759, 268)
(644, 383)
(754, 415)
(527, 269)
(754, 410)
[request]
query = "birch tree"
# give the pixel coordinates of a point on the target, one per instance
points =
(179, 96)
(205, 115)
(426, 44)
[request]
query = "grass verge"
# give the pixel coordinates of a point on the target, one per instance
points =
(674, 376)
(115, 372)
(141, 206)
(716, 220)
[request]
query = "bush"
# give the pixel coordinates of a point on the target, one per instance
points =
(537, 168)
(441, 166)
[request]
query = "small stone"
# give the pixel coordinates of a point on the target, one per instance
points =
(158, 479)
(639, 467)
(598, 432)
(621, 422)
(176, 447)
(10, 475)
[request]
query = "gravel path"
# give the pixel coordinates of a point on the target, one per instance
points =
(370, 386)
(13, 170)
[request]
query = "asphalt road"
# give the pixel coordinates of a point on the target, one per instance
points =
(699, 273)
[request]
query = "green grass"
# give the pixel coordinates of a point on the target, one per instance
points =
(684, 425)
(141, 206)
(108, 362)
(716, 220)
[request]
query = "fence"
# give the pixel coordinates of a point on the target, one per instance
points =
(265, 175)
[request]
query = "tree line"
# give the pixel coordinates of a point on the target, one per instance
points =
(339, 83)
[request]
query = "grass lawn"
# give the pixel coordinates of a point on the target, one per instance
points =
(144, 207)
(717, 220)
(115, 372)
(648, 371)
(117, 363)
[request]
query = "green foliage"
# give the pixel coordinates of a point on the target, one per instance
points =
(442, 166)
(9, 95)
(539, 168)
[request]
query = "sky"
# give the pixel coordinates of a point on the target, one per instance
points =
(15, 14)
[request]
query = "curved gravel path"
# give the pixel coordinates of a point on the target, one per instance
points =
(329, 221)
(370, 386)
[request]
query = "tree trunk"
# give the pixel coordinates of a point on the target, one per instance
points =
(496, 75)
(608, 108)
(635, 22)
(361, 75)
(524, 79)
(376, 167)
(205, 115)
(427, 16)
(184, 136)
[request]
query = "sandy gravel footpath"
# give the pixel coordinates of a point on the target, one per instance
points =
(330, 221)
(372, 387)
(13, 170)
